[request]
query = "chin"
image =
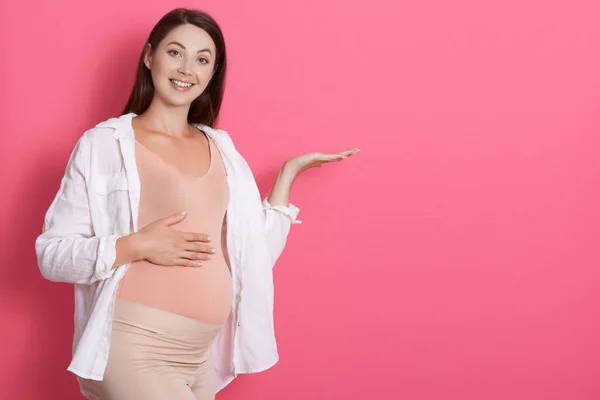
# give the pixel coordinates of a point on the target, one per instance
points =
(176, 101)
(179, 102)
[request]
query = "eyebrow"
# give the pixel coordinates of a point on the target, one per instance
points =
(183, 47)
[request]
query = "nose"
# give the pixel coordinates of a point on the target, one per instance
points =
(185, 68)
(184, 71)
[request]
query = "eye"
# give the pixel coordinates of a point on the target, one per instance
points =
(203, 60)
(174, 53)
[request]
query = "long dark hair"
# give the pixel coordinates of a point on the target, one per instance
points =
(205, 108)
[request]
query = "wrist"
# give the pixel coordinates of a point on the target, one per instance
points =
(136, 245)
(131, 247)
(288, 171)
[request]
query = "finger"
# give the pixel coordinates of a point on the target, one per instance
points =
(329, 158)
(175, 218)
(334, 158)
(195, 256)
(189, 263)
(196, 237)
(199, 248)
(350, 152)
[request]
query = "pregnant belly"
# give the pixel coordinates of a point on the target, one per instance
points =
(202, 293)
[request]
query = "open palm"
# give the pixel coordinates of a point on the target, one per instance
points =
(317, 159)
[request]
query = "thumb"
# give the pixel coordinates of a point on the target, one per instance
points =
(175, 218)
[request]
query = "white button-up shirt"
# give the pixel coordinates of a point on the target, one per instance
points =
(98, 202)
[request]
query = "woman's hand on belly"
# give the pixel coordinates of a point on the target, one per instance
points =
(160, 244)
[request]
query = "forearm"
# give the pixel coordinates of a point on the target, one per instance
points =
(280, 194)
(128, 249)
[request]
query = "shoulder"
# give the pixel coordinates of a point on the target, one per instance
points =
(96, 134)
(97, 143)
(118, 126)
(106, 132)
(98, 140)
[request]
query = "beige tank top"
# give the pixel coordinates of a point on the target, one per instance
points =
(202, 293)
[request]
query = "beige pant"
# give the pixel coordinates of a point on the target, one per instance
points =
(156, 355)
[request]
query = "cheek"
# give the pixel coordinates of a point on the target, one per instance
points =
(204, 75)
(162, 67)
(158, 75)
(203, 78)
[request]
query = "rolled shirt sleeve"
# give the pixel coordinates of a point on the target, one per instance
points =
(278, 221)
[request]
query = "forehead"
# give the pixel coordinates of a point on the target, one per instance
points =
(192, 37)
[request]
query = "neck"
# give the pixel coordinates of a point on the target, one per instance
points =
(169, 120)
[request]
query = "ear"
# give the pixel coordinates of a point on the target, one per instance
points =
(148, 56)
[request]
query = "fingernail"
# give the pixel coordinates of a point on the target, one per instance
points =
(183, 213)
(198, 264)
(209, 238)
(213, 251)
(209, 256)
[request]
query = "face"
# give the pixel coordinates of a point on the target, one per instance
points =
(182, 65)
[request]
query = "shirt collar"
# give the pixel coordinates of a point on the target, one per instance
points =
(121, 125)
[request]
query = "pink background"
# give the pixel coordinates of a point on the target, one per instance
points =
(455, 258)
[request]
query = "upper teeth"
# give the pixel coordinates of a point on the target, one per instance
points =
(182, 84)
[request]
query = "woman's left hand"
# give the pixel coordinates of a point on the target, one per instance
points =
(317, 159)
(280, 193)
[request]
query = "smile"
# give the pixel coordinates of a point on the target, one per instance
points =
(181, 84)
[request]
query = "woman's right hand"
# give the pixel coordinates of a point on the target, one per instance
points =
(160, 244)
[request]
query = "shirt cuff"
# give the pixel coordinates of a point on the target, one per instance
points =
(107, 254)
(291, 211)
